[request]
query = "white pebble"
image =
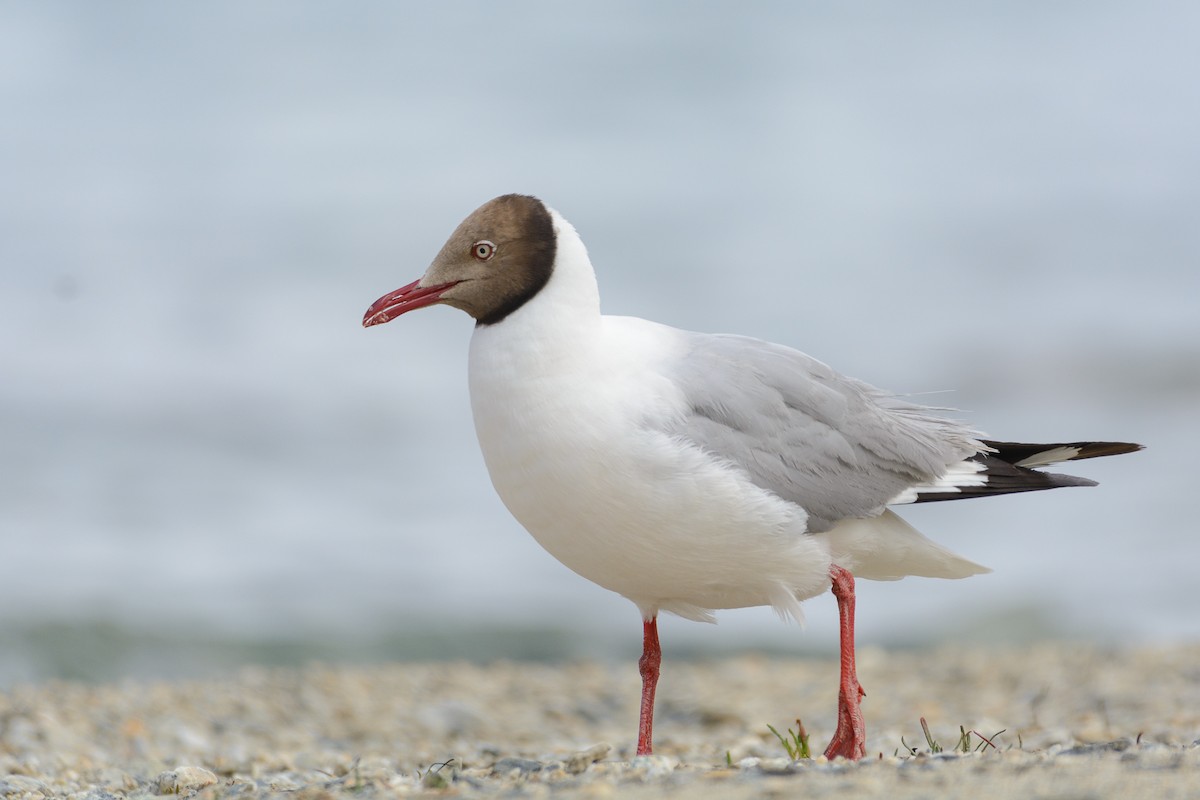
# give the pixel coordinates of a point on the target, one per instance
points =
(183, 780)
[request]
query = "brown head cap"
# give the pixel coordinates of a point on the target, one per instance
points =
(498, 258)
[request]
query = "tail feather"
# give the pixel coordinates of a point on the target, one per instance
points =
(1009, 467)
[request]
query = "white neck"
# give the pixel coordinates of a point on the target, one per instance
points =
(553, 325)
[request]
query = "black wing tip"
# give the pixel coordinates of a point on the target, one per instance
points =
(1058, 480)
(1008, 480)
(1015, 452)
(1115, 449)
(1101, 449)
(1010, 468)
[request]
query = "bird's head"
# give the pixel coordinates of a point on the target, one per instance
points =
(495, 260)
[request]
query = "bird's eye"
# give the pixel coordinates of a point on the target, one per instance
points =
(483, 250)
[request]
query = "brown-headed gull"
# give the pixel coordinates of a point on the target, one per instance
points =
(691, 472)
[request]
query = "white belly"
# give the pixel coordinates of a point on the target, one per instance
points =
(628, 507)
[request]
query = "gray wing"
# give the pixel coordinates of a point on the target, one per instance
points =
(836, 446)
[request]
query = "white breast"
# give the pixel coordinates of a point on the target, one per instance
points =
(565, 403)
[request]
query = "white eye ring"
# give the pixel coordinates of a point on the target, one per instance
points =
(483, 250)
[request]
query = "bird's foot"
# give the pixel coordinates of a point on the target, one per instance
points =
(850, 739)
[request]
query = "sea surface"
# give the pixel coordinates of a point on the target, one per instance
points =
(205, 460)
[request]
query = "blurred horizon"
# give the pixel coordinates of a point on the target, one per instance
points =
(992, 208)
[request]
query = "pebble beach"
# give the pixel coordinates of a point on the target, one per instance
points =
(1037, 721)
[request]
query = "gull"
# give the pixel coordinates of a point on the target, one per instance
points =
(691, 472)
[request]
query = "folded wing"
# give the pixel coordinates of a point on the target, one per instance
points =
(841, 448)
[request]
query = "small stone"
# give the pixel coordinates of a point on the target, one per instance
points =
(579, 762)
(434, 779)
(652, 767)
(776, 766)
(183, 780)
(1118, 746)
(524, 766)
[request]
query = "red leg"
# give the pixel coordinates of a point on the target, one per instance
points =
(648, 666)
(850, 738)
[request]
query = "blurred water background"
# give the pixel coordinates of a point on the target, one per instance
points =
(204, 460)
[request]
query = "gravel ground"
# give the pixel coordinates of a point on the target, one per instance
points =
(1077, 721)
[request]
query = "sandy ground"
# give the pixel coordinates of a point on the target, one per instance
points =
(1076, 721)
